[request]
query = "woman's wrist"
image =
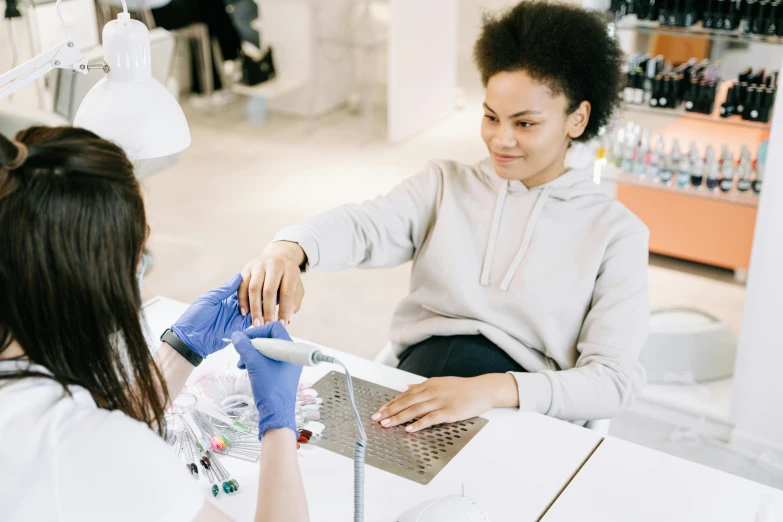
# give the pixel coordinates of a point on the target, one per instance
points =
(502, 388)
(288, 250)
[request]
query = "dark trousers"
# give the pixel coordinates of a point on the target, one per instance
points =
(456, 356)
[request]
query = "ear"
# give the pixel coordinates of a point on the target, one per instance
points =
(577, 120)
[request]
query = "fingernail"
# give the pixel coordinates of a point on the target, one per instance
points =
(243, 311)
(408, 428)
(256, 322)
(376, 416)
(385, 422)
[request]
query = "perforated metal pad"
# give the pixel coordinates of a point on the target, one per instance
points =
(416, 456)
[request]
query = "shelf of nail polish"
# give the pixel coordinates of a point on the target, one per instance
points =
(693, 89)
(612, 173)
(680, 112)
(632, 155)
(737, 20)
(695, 31)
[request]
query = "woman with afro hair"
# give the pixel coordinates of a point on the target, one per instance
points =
(529, 284)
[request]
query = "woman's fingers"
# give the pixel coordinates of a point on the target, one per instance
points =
(242, 294)
(412, 389)
(254, 289)
(431, 419)
(274, 274)
(415, 411)
(399, 405)
(288, 293)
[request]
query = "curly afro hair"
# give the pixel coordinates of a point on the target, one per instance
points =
(566, 48)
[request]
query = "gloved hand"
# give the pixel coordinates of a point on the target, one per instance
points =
(211, 318)
(274, 383)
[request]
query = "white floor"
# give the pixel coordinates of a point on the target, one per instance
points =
(242, 180)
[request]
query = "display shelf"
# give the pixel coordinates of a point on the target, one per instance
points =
(612, 174)
(631, 23)
(680, 112)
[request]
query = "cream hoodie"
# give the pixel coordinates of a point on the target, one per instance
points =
(555, 275)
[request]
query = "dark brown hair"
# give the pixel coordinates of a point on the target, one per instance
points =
(72, 229)
(565, 47)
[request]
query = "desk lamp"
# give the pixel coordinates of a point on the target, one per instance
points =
(128, 106)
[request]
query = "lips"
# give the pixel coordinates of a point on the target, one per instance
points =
(502, 158)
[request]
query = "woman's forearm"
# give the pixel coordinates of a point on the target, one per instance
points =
(281, 494)
(175, 368)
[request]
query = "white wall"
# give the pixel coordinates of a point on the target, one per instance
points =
(757, 397)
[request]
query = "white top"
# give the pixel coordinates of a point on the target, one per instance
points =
(64, 459)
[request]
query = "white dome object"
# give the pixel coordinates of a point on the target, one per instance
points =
(688, 342)
(128, 106)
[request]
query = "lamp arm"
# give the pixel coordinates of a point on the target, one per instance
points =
(64, 55)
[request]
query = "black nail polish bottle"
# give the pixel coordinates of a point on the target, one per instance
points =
(688, 14)
(767, 100)
(730, 22)
(719, 15)
(771, 23)
(708, 16)
(747, 16)
(757, 23)
(657, 88)
(729, 107)
(751, 112)
(691, 95)
(742, 94)
(712, 175)
(665, 101)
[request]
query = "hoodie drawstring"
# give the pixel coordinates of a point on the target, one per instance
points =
(493, 234)
(531, 225)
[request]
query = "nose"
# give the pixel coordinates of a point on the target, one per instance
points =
(504, 137)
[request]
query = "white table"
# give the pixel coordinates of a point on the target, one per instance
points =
(513, 468)
(623, 481)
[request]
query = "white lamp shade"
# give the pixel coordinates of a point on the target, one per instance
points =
(142, 118)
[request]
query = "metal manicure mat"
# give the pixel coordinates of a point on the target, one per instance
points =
(415, 456)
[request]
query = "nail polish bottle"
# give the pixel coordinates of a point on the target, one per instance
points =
(616, 153)
(761, 165)
(757, 23)
(697, 173)
(649, 78)
(752, 104)
(666, 98)
(691, 94)
(630, 82)
(676, 14)
(771, 22)
(712, 175)
(732, 18)
(767, 100)
(656, 153)
(743, 175)
(657, 86)
(742, 94)
(724, 154)
(748, 14)
(728, 107)
(719, 14)
(708, 16)
(654, 11)
(727, 174)
(638, 91)
(689, 14)
(683, 172)
(629, 148)
(642, 155)
(665, 171)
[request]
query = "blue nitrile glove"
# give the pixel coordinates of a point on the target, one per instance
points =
(211, 318)
(274, 383)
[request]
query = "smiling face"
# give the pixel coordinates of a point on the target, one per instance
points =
(527, 128)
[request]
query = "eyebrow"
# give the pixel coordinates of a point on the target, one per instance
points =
(515, 115)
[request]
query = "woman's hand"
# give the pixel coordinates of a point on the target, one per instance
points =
(211, 318)
(274, 383)
(448, 399)
(273, 276)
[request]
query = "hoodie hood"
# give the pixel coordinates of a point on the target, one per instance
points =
(571, 184)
